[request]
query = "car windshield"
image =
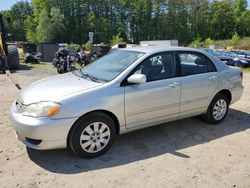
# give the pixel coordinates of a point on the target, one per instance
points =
(110, 66)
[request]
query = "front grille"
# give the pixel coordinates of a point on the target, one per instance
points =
(19, 106)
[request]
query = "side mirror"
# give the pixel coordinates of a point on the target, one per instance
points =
(137, 79)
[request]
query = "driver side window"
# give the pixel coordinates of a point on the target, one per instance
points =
(157, 67)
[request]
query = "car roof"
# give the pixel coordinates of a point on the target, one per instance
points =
(155, 49)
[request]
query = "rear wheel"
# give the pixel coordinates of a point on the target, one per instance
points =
(217, 109)
(92, 135)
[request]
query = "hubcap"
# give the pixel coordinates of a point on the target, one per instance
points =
(95, 137)
(220, 109)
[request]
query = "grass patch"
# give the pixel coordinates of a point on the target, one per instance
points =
(42, 66)
(245, 69)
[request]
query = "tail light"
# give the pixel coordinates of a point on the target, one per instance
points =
(241, 75)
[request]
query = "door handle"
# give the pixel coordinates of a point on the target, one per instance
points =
(173, 85)
(213, 78)
(176, 83)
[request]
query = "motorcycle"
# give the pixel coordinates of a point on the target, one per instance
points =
(64, 61)
(85, 58)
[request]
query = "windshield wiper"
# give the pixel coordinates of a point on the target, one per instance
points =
(90, 77)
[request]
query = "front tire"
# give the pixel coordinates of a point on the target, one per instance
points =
(92, 135)
(217, 109)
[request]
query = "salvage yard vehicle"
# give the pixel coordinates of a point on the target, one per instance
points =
(238, 61)
(225, 59)
(126, 90)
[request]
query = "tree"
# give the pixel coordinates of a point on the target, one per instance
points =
(239, 7)
(30, 25)
(116, 40)
(58, 28)
(135, 20)
(222, 20)
(17, 15)
(240, 12)
(245, 23)
(44, 30)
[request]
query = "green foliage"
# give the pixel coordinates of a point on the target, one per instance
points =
(30, 24)
(70, 20)
(196, 43)
(88, 46)
(58, 27)
(208, 42)
(116, 40)
(17, 15)
(44, 30)
(235, 39)
(239, 6)
(73, 47)
(222, 19)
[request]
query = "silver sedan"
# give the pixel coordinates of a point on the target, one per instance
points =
(126, 90)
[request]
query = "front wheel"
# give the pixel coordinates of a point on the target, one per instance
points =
(92, 135)
(217, 109)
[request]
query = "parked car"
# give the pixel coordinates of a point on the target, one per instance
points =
(225, 59)
(242, 53)
(238, 60)
(126, 90)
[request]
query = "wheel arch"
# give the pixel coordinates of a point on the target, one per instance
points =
(110, 114)
(227, 93)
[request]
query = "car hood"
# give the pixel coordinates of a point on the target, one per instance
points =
(53, 88)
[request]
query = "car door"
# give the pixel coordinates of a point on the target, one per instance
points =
(198, 82)
(156, 100)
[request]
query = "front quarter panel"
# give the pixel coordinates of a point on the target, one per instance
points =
(107, 97)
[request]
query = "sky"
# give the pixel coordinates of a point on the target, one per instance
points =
(6, 4)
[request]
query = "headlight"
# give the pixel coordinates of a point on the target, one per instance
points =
(243, 61)
(72, 58)
(42, 109)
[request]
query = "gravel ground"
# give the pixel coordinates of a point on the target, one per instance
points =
(184, 153)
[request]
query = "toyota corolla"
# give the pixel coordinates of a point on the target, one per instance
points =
(126, 90)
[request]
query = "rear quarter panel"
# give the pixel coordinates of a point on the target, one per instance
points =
(229, 79)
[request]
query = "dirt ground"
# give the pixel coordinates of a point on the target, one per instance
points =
(185, 153)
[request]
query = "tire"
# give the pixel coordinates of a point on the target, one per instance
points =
(60, 70)
(2, 66)
(13, 57)
(92, 135)
(217, 110)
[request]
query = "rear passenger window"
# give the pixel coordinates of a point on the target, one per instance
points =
(194, 63)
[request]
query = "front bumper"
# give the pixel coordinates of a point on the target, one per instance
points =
(52, 132)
